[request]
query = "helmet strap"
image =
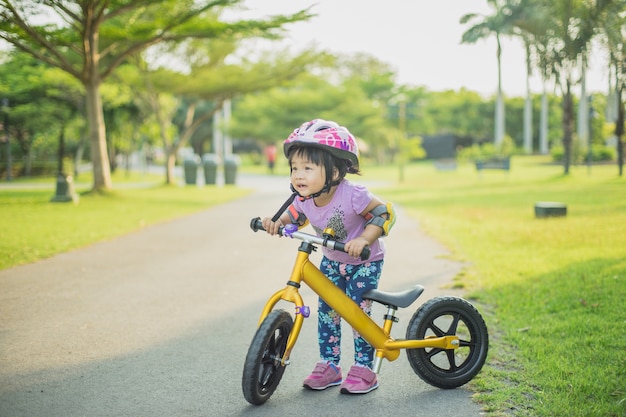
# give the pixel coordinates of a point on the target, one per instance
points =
(326, 188)
(286, 204)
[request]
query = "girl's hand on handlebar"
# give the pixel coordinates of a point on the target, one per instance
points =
(355, 247)
(270, 226)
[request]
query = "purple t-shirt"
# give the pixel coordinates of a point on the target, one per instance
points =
(343, 215)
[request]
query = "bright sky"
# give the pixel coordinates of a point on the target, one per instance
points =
(420, 39)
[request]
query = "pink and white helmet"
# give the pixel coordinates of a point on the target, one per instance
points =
(327, 135)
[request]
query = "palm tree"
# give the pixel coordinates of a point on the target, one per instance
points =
(569, 28)
(535, 27)
(528, 105)
(498, 24)
(532, 28)
(613, 25)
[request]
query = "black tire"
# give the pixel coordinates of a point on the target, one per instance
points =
(263, 370)
(444, 316)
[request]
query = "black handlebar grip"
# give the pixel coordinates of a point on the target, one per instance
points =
(256, 224)
(365, 253)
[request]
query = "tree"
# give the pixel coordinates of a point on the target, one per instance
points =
(499, 24)
(525, 28)
(196, 96)
(352, 95)
(44, 100)
(569, 26)
(98, 35)
(613, 23)
(462, 113)
(533, 27)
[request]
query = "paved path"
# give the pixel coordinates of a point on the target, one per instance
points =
(158, 322)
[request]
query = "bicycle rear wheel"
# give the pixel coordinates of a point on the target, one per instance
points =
(447, 316)
(263, 370)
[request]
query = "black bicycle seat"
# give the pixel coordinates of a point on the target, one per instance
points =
(400, 299)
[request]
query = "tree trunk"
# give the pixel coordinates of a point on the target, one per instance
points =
(568, 127)
(543, 123)
(190, 125)
(528, 124)
(170, 151)
(499, 128)
(97, 137)
(619, 131)
(582, 120)
(95, 114)
(528, 107)
(170, 159)
(27, 150)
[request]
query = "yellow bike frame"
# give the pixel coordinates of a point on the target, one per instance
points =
(378, 337)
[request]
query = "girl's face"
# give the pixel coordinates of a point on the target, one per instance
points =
(306, 177)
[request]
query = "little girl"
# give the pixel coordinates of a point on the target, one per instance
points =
(320, 154)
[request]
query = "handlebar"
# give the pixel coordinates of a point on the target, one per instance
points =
(256, 225)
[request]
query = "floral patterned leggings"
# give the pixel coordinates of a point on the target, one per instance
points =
(354, 280)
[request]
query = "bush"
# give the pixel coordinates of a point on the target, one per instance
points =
(599, 153)
(602, 153)
(37, 169)
(557, 153)
(486, 151)
(413, 149)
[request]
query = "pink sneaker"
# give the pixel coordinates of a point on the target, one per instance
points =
(360, 380)
(324, 375)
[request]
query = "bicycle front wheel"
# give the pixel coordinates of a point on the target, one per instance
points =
(263, 370)
(448, 316)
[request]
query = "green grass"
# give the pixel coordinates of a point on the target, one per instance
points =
(33, 228)
(552, 290)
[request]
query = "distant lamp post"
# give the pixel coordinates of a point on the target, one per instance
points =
(5, 110)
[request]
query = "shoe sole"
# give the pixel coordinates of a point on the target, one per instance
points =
(346, 391)
(332, 384)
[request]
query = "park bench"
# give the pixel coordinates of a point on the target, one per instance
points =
(494, 163)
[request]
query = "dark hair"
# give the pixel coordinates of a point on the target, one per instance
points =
(322, 157)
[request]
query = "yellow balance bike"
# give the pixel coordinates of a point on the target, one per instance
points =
(446, 338)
